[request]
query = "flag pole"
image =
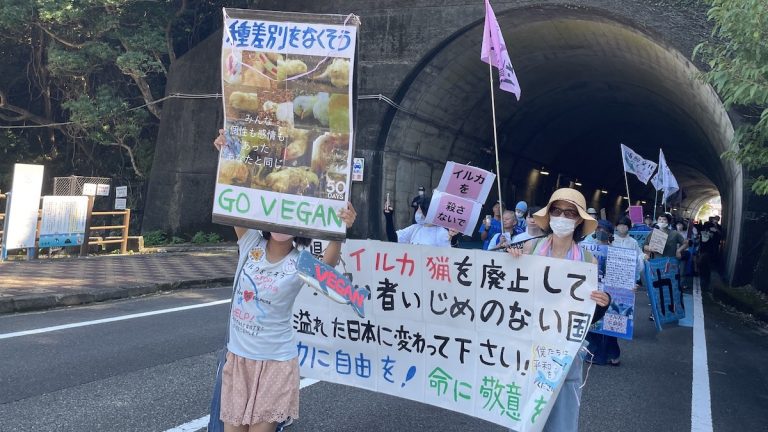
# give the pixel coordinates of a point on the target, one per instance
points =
(496, 145)
(655, 201)
(626, 183)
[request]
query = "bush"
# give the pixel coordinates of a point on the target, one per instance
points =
(201, 237)
(214, 238)
(155, 238)
(177, 240)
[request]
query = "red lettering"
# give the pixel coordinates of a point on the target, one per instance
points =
(357, 254)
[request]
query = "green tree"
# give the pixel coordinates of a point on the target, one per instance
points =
(92, 72)
(738, 61)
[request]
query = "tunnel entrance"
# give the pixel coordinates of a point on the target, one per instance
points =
(590, 81)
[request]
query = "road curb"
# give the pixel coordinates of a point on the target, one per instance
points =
(32, 302)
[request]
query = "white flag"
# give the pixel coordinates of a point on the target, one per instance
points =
(656, 181)
(668, 181)
(635, 164)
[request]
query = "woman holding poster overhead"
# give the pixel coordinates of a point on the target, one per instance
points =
(260, 377)
(565, 219)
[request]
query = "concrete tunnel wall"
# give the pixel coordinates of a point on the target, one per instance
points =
(579, 61)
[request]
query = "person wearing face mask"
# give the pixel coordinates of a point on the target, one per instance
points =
(531, 229)
(420, 233)
(520, 210)
(260, 373)
(565, 220)
(675, 244)
(415, 203)
(605, 349)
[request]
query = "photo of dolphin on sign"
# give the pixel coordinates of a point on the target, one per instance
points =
(326, 280)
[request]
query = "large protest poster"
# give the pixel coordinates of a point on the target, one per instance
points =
(662, 278)
(472, 331)
(63, 221)
(288, 86)
(617, 268)
(22, 209)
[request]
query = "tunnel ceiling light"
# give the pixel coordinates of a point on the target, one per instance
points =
(543, 171)
(603, 191)
(577, 183)
(643, 202)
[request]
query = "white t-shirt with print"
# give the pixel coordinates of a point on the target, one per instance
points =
(260, 322)
(431, 235)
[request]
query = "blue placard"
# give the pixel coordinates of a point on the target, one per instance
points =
(662, 279)
(640, 236)
(619, 319)
(60, 240)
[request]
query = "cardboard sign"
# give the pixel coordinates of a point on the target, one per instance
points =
(658, 241)
(63, 221)
(452, 212)
(326, 280)
(471, 331)
(288, 117)
(663, 282)
(636, 214)
(466, 181)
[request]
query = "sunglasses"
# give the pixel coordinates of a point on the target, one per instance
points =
(568, 213)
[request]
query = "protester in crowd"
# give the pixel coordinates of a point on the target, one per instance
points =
(415, 203)
(675, 241)
(622, 239)
(605, 349)
(685, 256)
(592, 212)
(490, 226)
(648, 222)
(565, 220)
(420, 233)
(260, 377)
(532, 230)
(500, 241)
(520, 209)
(709, 251)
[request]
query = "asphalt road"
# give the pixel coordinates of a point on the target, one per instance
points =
(154, 373)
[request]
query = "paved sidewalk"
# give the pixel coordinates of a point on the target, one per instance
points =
(47, 283)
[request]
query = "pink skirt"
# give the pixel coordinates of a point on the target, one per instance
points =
(254, 391)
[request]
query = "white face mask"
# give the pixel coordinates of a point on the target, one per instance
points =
(663, 225)
(280, 237)
(420, 217)
(562, 226)
(421, 193)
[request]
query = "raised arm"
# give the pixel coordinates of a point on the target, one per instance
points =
(333, 251)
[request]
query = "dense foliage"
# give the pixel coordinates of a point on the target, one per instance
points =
(82, 81)
(738, 61)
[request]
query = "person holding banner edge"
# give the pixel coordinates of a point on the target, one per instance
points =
(565, 220)
(420, 233)
(260, 377)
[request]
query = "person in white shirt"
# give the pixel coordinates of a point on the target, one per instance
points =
(420, 233)
(622, 239)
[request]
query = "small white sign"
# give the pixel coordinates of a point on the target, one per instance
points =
(102, 190)
(89, 189)
(120, 203)
(358, 168)
(658, 241)
(121, 191)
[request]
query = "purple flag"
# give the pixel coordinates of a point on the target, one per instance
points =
(494, 52)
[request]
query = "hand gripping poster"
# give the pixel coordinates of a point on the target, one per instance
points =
(475, 332)
(288, 88)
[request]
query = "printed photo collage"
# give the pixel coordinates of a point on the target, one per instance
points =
(287, 136)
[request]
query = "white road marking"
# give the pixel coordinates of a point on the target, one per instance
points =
(701, 405)
(108, 320)
(202, 422)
